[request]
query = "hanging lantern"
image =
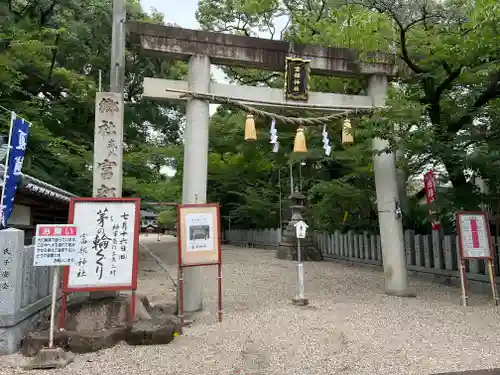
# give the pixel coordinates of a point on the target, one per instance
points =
(250, 133)
(347, 138)
(300, 141)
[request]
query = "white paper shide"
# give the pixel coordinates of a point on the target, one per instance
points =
(200, 232)
(105, 244)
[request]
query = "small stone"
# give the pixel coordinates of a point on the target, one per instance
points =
(149, 333)
(300, 301)
(33, 342)
(54, 358)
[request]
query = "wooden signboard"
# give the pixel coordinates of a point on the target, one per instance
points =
(107, 246)
(199, 244)
(474, 239)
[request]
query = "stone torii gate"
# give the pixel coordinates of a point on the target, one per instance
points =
(201, 49)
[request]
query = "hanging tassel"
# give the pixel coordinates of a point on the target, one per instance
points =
(347, 138)
(250, 133)
(274, 136)
(326, 142)
(300, 141)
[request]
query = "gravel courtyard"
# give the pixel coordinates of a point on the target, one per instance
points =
(350, 327)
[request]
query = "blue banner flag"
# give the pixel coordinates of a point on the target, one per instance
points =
(18, 140)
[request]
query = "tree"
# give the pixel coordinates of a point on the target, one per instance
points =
(321, 174)
(450, 80)
(168, 218)
(50, 59)
(444, 100)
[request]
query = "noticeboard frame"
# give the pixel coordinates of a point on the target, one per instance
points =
(181, 234)
(484, 214)
(135, 263)
(181, 240)
(489, 260)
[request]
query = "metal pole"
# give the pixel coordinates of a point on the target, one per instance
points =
(300, 176)
(300, 273)
(281, 203)
(55, 286)
(291, 178)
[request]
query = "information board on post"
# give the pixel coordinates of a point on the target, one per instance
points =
(107, 246)
(199, 244)
(199, 235)
(55, 245)
(475, 243)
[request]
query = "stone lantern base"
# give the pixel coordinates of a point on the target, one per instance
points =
(288, 245)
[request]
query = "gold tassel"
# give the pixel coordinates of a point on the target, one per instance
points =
(300, 141)
(347, 138)
(250, 133)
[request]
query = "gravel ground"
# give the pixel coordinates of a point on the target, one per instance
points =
(350, 327)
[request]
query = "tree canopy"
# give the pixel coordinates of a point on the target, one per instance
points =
(442, 111)
(51, 56)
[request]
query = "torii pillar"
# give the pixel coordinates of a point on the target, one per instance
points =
(194, 182)
(200, 48)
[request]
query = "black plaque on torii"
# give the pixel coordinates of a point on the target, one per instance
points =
(297, 73)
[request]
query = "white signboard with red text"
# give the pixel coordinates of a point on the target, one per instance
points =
(55, 245)
(474, 237)
(475, 244)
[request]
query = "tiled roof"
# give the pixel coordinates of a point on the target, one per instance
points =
(148, 213)
(39, 187)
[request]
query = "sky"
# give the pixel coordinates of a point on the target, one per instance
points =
(183, 16)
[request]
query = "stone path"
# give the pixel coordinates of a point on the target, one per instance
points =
(351, 326)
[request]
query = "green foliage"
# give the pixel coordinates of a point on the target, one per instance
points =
(50, 60)
(168, 218)
(444, 104)
(443, 107)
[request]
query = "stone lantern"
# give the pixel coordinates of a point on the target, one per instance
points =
(288, 246)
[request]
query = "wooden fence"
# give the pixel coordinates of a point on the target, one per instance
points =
(266, 238)
(428, 255)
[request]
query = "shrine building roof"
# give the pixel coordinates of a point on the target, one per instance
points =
(38, 187)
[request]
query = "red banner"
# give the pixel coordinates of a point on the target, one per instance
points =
(431, 196)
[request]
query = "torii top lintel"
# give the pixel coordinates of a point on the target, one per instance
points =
(241, 51)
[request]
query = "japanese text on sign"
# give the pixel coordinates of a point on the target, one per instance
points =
(108, 144)
(11, 252)
(5, 267)
(55, 245)
(297, 79)
(105, 244)
(474, 236)
(199, 234)
(200, 231)
(431, 196)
